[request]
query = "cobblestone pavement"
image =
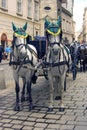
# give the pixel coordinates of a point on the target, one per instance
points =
(73, 118)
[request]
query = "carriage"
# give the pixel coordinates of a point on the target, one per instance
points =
(40, 44)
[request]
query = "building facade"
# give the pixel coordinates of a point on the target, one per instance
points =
(85, 25)
(56, 8)
(33, 12)
(19, 12)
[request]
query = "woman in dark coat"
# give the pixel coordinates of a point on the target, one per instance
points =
(1, 52)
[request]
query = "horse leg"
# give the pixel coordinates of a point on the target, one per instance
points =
(23, 90)
(62, 79)
(17, 89)
(65, 84)
(57, 89)
(29, 95)
(50, 108)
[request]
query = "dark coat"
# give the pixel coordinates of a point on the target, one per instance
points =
(1, 52)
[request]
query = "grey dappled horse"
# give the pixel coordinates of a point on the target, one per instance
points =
(23, 61)
(58, 59)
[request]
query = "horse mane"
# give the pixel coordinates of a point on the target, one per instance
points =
(28, 39)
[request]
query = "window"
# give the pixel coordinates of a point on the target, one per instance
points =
(30, 8)
(36, 33)
(63, 25)
(36, 11)
(4, 4)
(67, 26)
(19, 7)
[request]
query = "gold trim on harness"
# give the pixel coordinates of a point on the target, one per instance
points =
(18, 35)
(52, 33)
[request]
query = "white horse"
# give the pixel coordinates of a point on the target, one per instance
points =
(57, 59)
(23, 60)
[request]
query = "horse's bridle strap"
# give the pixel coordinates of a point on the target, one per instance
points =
(20, 45)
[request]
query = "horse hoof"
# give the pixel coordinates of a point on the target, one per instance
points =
(17, 108)
(58, 98)
(61, 109)
(50, 109)
(31, 107)
(27, 99)
(22, 99)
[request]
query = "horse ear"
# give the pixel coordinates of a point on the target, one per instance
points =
(59, 21)
(14, 27)
(25, 26)
(47, 22)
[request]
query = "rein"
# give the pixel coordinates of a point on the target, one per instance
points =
(18, 62)
(55, 64)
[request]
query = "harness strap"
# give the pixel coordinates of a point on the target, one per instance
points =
(24, 61)
(55, 64)
(63, 52)
(18, 63)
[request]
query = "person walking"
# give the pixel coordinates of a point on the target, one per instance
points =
(8, 51)
(1, 53)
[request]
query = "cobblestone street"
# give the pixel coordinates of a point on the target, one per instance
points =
(73, 118)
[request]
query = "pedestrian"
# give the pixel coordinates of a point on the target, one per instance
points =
(82, 53)
(8, 51)
(1, 53)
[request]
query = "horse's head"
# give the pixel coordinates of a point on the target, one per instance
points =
(19, 38)
(53, 31)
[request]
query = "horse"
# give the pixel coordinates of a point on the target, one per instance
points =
(57, 60)
(74, 57)
(23, 60)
